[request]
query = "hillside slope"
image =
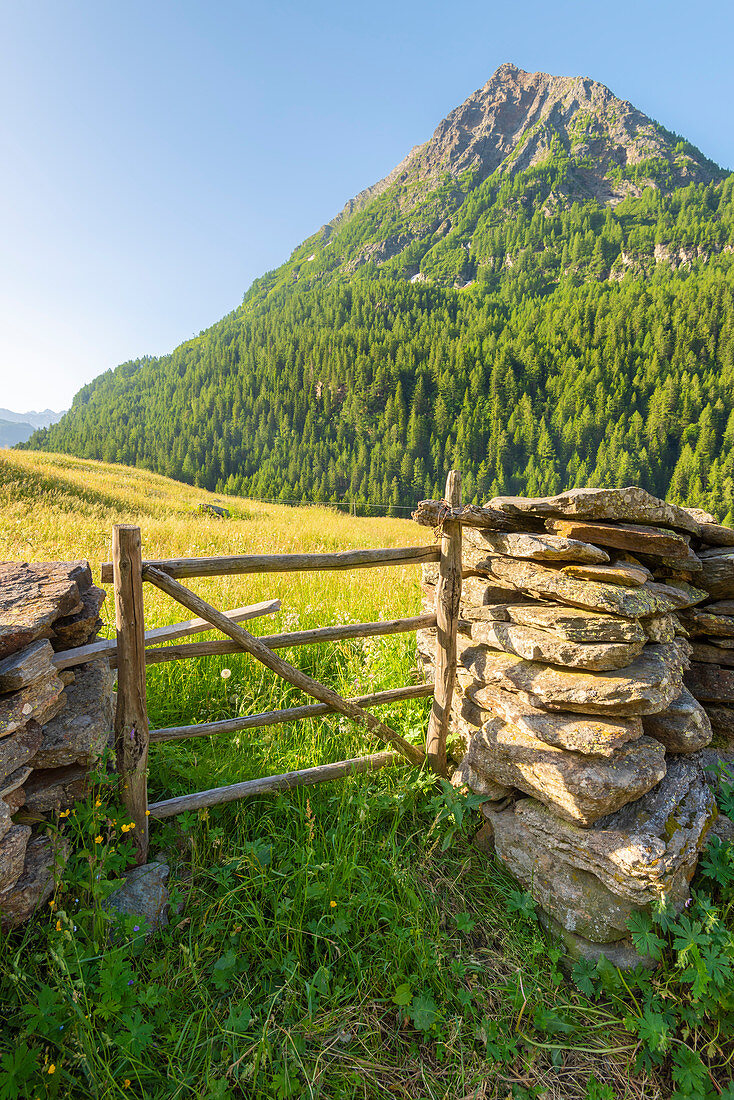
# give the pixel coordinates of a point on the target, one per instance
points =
(541, 294)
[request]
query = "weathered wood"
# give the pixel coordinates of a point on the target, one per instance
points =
(288, 563)
(266, 656)
(434, 513)
(288, 641)
(307, 777)
(291, 714)
(108, 647)
(448, 598)
(131, 713)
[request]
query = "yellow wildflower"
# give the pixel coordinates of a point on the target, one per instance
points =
(51, 1068)
(64, 813)
(332, 904)
(98, 802)
(98, 840)
(147, 813)
(126, 1083)
(58, 925)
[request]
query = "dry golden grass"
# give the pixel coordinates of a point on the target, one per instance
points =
(57, 508)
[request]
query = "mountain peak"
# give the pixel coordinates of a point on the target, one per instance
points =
(589, 145)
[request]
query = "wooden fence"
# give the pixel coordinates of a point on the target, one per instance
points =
(131, 653)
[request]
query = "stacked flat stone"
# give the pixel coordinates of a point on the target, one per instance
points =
(571, 713)
(53, 726)
(710, 627)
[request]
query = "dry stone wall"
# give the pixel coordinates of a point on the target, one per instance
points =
(54, 726)
(594, 700)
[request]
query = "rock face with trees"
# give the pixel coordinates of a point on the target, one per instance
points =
(54, 726)
(594, 703)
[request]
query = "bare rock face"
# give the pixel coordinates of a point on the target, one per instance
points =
(81, 732)
(23, 668)
(35, 884)
(684, 726)
(629, 505)
(644, 852)
(612, 599)
(585, 734)
(33, 596)
(653, 542)
(33, 702)
(572, 624)
(19, 748)
(649, 684)
(541, 645)
(477, 545)
(661, 628)
(578, 788)
(12, 855)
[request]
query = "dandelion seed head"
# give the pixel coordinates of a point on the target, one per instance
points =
(226, 673)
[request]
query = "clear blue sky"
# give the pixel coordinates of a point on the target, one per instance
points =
(158, 156)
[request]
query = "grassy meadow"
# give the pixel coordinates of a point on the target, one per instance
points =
(342, 941)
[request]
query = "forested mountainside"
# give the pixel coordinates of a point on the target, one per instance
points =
(541, 294)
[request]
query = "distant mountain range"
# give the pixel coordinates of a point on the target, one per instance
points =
(19, 427)
(542, 294)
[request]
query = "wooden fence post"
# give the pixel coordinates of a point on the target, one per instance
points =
(131, 713)
(448, 598)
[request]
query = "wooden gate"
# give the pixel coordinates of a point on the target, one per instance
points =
(129, 573)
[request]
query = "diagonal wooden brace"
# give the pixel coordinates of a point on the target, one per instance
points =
(252, 645)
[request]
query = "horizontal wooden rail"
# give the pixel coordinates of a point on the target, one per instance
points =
(288, 563)
(291, 714)
(288, 641)
(107, 647)
(307, 777)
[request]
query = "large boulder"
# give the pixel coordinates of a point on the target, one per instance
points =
(591, 880)
(717, 576)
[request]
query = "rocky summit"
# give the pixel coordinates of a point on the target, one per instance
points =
(515, 122)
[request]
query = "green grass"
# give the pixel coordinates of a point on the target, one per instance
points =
(325, 942)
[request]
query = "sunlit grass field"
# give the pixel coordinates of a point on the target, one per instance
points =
(324, 944)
